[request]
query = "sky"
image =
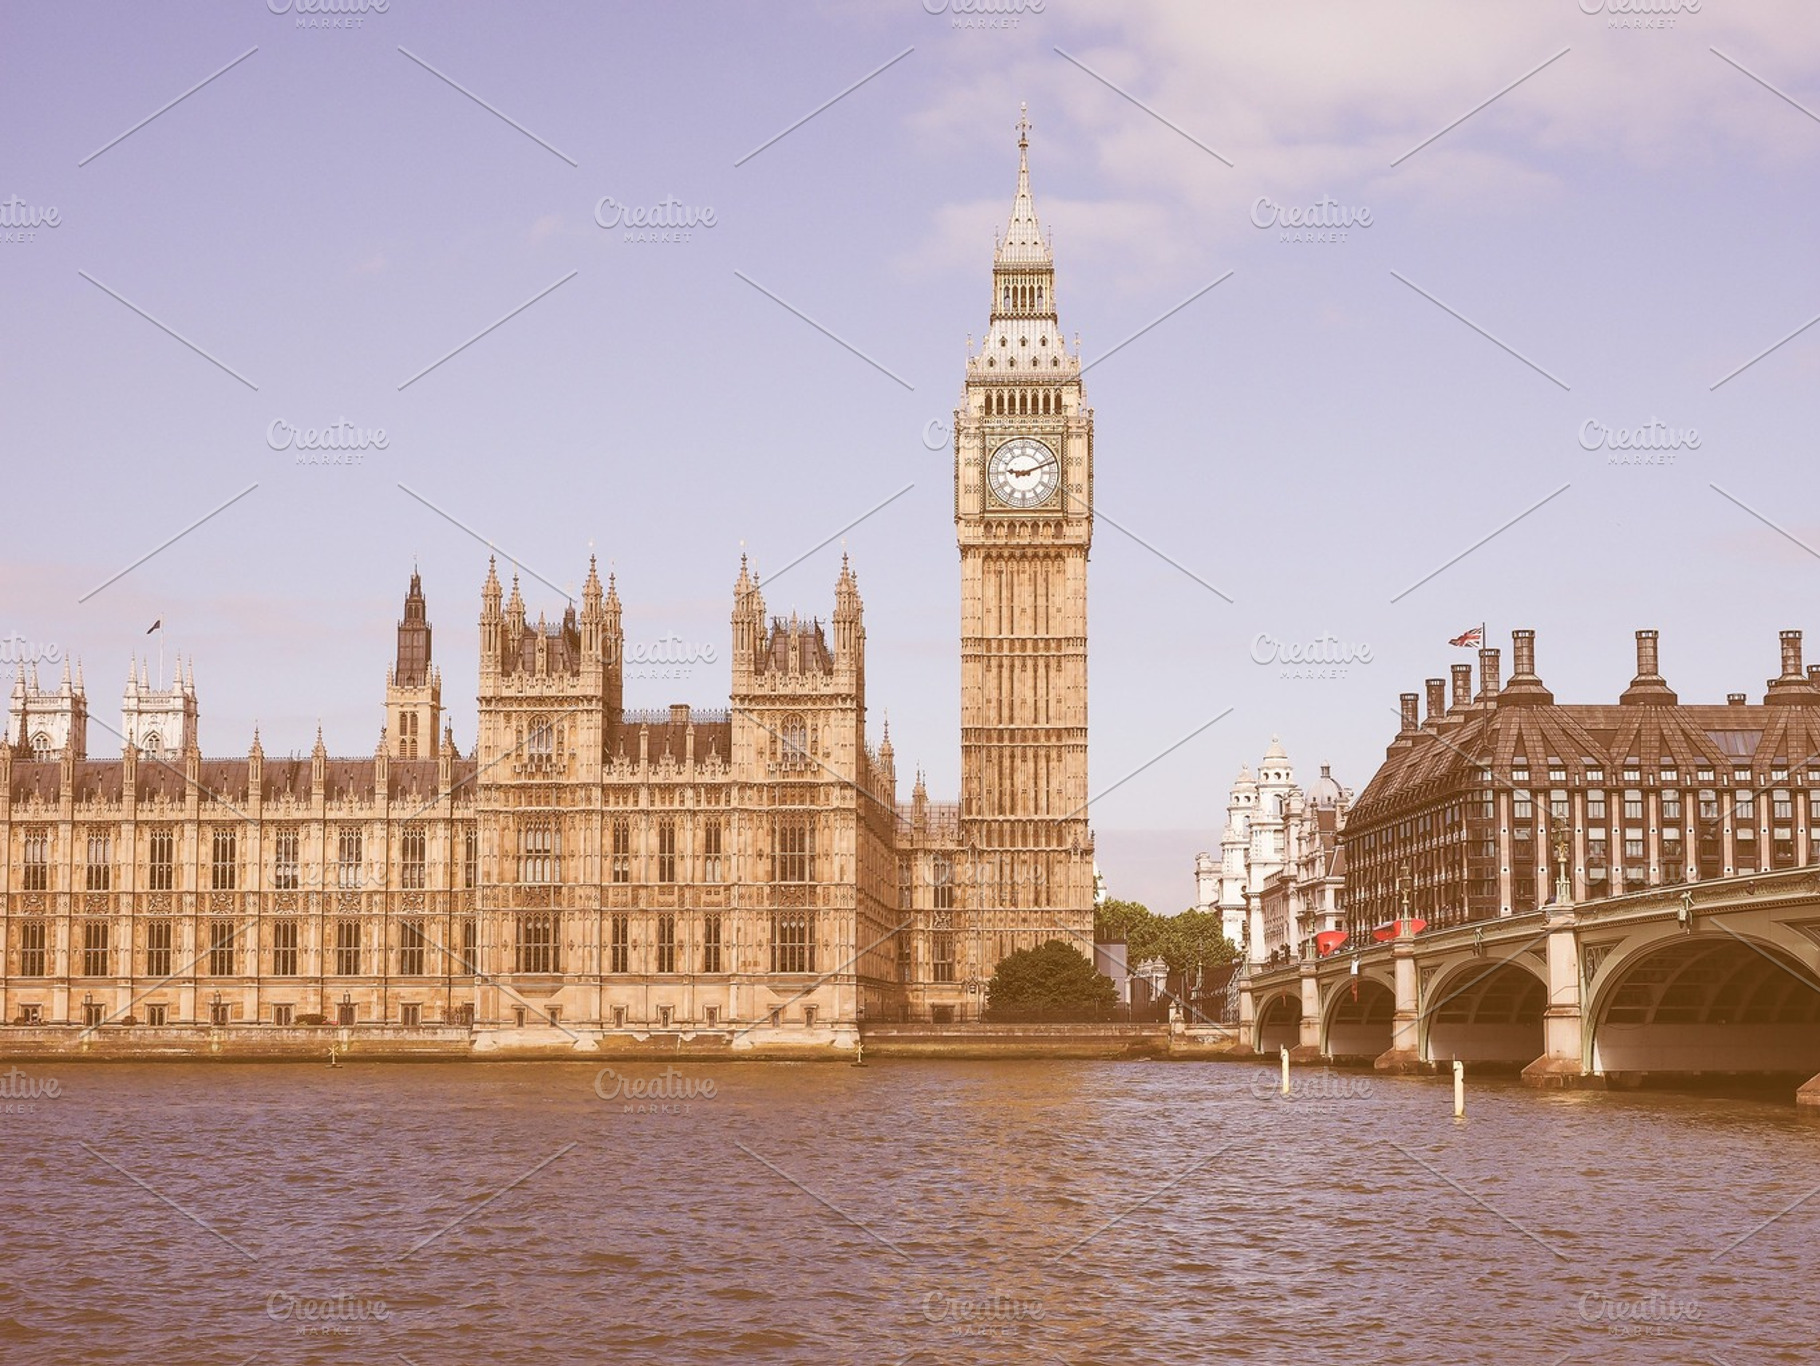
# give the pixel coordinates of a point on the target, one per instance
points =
(1363, 440)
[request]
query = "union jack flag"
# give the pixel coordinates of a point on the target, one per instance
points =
(1469, 640)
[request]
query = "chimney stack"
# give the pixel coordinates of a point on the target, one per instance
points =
(1524, 686)
(1734, 699)
(1793, 686)
(1648, 688)
(1409, 701)
(1488, 676)
(1437, 698)
(1462, 686)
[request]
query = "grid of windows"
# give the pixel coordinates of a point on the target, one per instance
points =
(349, 854)
(222, 934)
(34, 939)
(36, 874)
(666, 849)
(710, 943)
(160, 935)
(411, 850)
(284, 948)
(793, 849)
(100, 870)
(622, 849)
(537, 943)
(224, 862)
(792, 942)
(286, 873)
(539, 852)
(95, 946)
(941, 955)
(710, 851)
(161, 860)
(347, 948)
(411, 942)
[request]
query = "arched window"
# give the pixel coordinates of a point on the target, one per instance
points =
(540, 744)
(41, 747)
(794, 737)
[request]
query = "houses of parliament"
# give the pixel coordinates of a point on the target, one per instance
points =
(746, 873)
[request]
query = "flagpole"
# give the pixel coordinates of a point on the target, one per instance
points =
(160, 654)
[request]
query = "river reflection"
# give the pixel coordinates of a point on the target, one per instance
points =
(901, 1212)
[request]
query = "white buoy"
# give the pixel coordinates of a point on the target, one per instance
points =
(1285, 1053)
(1459, 1089)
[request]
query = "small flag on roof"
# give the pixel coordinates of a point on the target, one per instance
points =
(1469, 640)
(157, 625)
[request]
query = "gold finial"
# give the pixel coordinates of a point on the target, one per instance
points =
(1023, 125)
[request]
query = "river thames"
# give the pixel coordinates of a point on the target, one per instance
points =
(902, 1212)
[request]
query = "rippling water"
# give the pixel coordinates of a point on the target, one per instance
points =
(903, 1212)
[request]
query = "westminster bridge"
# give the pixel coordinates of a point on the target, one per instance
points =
(1704, 979)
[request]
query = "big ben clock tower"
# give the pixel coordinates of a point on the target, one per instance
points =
(1023, 515)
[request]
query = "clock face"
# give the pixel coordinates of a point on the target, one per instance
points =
(1023, 473)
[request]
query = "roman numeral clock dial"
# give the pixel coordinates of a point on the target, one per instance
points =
(1023, 473)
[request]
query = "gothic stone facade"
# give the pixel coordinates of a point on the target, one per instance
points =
(745, 871)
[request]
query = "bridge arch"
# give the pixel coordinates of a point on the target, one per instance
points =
(1358, 1023)
(1486, 1011)
(1279, 1022)
(1709, 1002)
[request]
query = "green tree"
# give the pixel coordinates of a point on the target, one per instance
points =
(1051, 981)
(1186, 941)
